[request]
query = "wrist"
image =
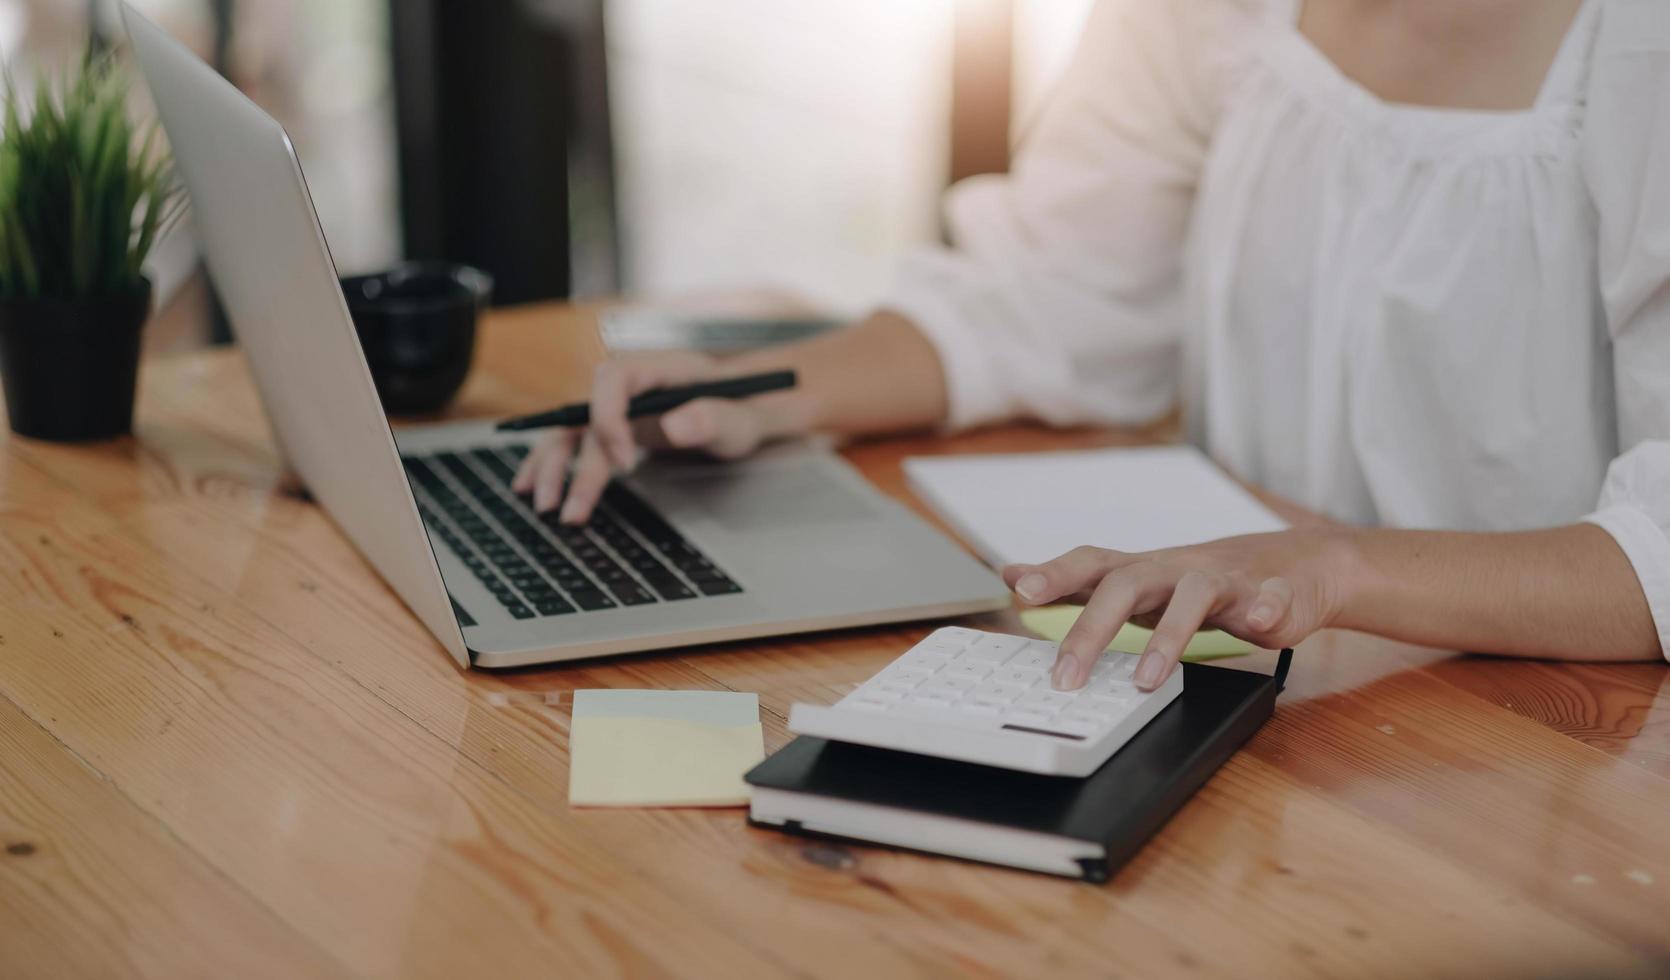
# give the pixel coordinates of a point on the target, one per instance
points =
(786, 415)
(781, 414)
(1346, 575)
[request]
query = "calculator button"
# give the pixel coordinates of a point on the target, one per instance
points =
(1119, 665)
(1046, 700)
(897, 685)
(1078, 723)
(1115, 687)
(938, 648)
(997, 693)
(931, 659)
(1039, 656)
(1025, 716)
(1112, 709)
(949, 684)
(1018, 676)
(995, 649)
(972, 669)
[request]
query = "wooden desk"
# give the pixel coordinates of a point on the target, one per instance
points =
(227, 750)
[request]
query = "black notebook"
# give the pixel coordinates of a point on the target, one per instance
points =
(1084, 828)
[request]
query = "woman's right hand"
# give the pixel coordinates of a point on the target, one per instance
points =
(726, 429)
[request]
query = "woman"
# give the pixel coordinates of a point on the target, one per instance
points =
(1406, 262)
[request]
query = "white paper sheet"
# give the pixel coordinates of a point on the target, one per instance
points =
(1032, 507)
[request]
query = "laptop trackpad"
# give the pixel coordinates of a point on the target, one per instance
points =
(752, 498)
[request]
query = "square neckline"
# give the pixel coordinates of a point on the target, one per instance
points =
(1557, 88)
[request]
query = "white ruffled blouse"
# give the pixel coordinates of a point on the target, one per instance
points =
(1394, 315)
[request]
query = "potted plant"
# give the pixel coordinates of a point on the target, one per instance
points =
(83, 196)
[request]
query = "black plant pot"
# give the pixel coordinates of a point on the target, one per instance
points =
(69, 365)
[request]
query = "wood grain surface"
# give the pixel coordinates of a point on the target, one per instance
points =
(226, 749)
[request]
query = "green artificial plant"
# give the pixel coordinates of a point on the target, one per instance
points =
(83, 193)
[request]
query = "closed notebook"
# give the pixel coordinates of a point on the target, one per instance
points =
(1083, 828)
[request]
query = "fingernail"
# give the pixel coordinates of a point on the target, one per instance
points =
(570, 513)
(1262, 614)
(1031, 586)
(1064, 675)
(544, 500)
(1149, 672)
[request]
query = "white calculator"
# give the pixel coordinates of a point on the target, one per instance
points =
(986, 698)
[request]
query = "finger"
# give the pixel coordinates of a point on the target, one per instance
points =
(591, 475)
(727, 429)
(1197, 596)
(1136, 588)
(1274, 604)
(553, 470)
(613, 385)
(618, 381)
(647, 433)
(523, 481)
(1078, 569)
(1012, 574)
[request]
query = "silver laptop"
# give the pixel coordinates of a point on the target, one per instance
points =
(680, 553)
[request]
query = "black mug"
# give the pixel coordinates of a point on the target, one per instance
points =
(416, 324)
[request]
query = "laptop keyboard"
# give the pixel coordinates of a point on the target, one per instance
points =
(626, 555)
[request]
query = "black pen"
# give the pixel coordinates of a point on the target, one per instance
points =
(656, 401)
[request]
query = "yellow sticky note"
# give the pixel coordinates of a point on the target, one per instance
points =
(645, 761)
(1053, 622)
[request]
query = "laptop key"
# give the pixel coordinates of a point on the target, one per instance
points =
(668, 586)
(553, 607)
(719, 586)
(495, 463)
(631, 593)
(519, 610)
(590, 599)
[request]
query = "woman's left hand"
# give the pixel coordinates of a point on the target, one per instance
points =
(1272, 590)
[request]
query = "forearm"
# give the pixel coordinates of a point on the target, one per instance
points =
(1566, 593)
(879, 375)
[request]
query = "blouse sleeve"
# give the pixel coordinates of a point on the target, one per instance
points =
(1626, 160)
(1058, 295)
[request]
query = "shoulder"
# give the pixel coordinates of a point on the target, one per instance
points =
(1212, 35)
(1629, 65)
(1631, 27)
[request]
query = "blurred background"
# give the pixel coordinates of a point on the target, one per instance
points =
(577, 148)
